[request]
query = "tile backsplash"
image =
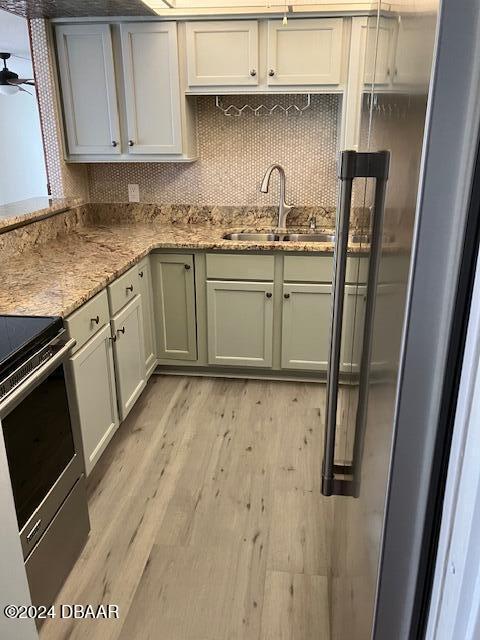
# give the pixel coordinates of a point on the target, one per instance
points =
(233, 154)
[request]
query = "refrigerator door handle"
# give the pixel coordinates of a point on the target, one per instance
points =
(351, 165)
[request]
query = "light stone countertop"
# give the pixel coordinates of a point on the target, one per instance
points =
(32, 209)
(57, 277)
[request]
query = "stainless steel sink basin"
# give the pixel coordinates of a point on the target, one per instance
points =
(252, 237)
(309, 237)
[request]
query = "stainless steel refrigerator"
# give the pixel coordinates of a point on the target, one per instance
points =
(378, 193)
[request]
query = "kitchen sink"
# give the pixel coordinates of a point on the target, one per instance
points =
(309, 237)
(300, 237)
(252, 237)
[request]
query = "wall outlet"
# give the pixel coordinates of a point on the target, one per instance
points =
(133, 193)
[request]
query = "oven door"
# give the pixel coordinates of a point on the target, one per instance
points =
(42, 457)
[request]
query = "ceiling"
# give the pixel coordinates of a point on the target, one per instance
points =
(74, 8)
(14, 39)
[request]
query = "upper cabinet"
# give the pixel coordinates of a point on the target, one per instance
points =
(379, 51)
(404, 55)
(305, 52)
(259, 56)
(89, 94)
(153, 119)
(414, 47)
(152, 91)
(222, 53)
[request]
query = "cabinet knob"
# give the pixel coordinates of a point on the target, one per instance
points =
(122, 330)
(187, 267)
(96, 319)
(253, 72)
(268, 294)
(140, 273)
(130, 288)
(286, 296)
(131, 143)
(113, 338)
(114, 143)
(271, 72)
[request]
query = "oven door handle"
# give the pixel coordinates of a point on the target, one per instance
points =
(23, 389)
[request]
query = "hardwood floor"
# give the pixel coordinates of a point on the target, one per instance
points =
(207, 520)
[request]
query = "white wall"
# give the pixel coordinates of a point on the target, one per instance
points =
(22, 165)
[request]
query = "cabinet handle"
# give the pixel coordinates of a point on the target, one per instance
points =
(140, 273)
(130, 288)
(34, 530)
(187, 267)
(268, 294)
(114, 143)
(253, 72)
(122, 330)
(286, 296)
(271, 72)
(96, 319)
(112, 338)
(131, 143)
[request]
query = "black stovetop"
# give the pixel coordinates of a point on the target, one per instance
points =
(21, 336)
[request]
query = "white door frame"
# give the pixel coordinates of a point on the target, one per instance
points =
(455, 604)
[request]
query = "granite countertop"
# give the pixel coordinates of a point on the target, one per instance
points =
(32, 209)
(57, 277)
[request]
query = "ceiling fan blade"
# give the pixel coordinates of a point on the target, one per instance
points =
(21, 81)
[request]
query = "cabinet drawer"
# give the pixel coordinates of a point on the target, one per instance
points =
(86, 321)
(124, 289)
(240, 267)
(320, 269)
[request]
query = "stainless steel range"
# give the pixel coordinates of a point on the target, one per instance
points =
(43, 450)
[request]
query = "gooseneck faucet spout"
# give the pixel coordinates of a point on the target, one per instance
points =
(283, 208)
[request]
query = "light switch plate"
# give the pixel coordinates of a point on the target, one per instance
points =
(133, 193)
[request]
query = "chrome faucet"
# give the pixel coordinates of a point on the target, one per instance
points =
(283, 208)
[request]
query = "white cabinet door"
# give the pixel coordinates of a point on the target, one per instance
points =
(386, 351)
(240, 323)
(174, 303)
(152, 89)
(145, 288)
(413, 53)
(87, 77)
(222, 53)
(378, 60)
(305, 52)
(94, 387)
(306, 326)
(127, 327)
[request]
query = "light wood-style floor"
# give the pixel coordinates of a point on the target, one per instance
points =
(207, 520)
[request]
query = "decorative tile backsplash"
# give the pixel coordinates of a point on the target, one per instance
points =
(234, 153)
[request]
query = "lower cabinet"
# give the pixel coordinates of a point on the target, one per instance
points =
(93, 377)
(129, 355)
(385, 351)
(145, 288)
(387, 328)
(174, 306)
(306, 326)
(240, 323)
